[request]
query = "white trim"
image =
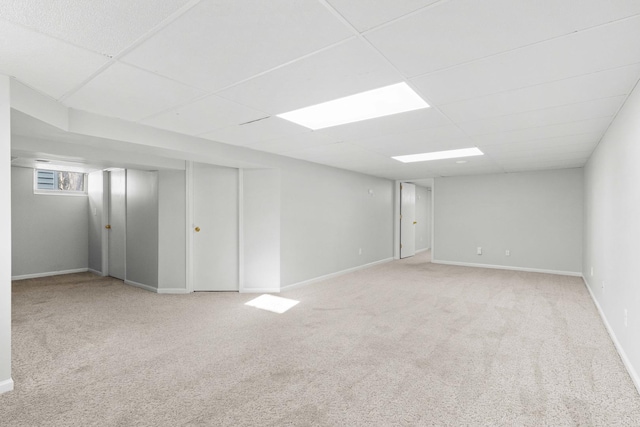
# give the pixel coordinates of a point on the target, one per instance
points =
(96, 272)
(141, 285)
(509, 267)
(172, 291)
(49, 273)
(241, 232)
(260, 290)
(422, 250)
(6, 386)
(190, 225)
(106, 191)
(396, 219)
(625, 360)
(336, 274)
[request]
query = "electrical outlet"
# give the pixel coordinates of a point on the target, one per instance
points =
(626, 315)
(603, 286)
(592, 271)
(360, 251)
(479, 250)
(507, 252)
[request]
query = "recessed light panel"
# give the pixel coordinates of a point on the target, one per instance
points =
(440, 155)
(385, 101)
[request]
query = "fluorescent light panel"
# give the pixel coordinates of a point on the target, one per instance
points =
(440, 155)
(397, 98)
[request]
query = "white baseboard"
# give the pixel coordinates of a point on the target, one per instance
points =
(49, 273)
(259, 291)
(96, 272)
(6, 385)
(508, 267)
(156, 290)
(422, 250)
(172, 291)
(336, 274)
(141, 285)
(625, 360)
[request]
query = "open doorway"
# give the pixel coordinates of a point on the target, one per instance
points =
(413, 227)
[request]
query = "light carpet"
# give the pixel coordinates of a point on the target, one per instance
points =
(403, 343)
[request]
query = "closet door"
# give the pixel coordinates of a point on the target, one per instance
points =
(215, 228)
(117, 223)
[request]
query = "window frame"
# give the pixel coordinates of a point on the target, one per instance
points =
(55, 191)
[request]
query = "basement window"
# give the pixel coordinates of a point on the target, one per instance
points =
(59, 182)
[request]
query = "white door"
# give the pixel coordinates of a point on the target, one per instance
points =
(117, 223)
(407, 220)
(215, 228)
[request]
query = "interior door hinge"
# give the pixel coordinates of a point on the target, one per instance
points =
(400, 245)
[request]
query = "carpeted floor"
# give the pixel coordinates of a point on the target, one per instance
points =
(403, 343)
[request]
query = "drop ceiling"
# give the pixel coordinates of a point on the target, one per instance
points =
(533, 84)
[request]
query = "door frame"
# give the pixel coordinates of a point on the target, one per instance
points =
(396, 216)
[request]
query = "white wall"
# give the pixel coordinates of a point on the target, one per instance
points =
(6, 383)
(423, 218)
(49, 232)
(612, 230)
(327, 216)
(537, 216)
(261, 229)
(142, 228)
(95, 192)
(171, 232)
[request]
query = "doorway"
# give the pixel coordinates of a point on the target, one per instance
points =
(407, 220)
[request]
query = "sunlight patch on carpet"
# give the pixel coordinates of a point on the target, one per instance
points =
(272, 303)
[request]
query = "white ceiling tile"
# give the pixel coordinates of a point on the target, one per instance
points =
(396, 123)
(534, 164)
(43, 63)
(218, 43)
(583, 141)
(129, 93)
(400, 173)
(348, 68)
(608, 46)
(531, 134)
(603, 84)
(413, 142)
(326, 153)
(465, 169)
(419, 170)
(365, 14)
(599, 108)
(459, 31)
(343, 155)
(254, 132)
(557, 153)
(294, 142)
(106, 26)
(204, 115)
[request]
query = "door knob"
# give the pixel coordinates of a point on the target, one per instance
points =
(415, 222)
(197, 229)
(108, 227)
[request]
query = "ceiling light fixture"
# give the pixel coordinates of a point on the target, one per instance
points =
(440, 155)
(385, 101)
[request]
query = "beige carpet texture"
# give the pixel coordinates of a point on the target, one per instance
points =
(406, 343)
